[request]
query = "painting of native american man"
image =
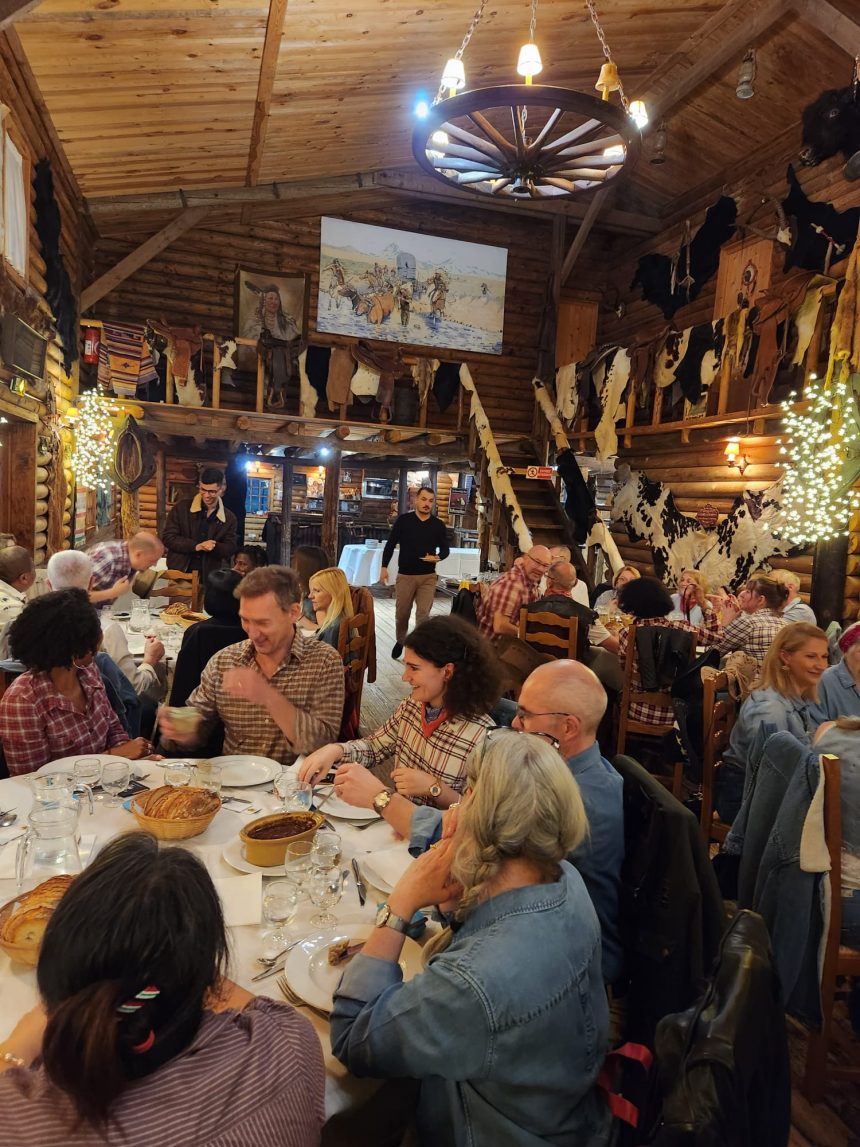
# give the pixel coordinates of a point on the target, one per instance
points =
(271, 301)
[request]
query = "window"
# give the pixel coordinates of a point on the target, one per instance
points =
(257, 496)
(14, 181)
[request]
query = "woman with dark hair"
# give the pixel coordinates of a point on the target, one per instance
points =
(204, 639)
(139, 1037)
(59, 706)
(455, 679)
(649, 603)
(249, 558)
(755, 618)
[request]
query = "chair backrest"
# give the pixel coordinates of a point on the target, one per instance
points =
(353, 645)
(549, 633)
(832, 767)
(719, 713)
(633, 694)
(180, 586)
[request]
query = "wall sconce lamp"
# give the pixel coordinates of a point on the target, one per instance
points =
(734, 457)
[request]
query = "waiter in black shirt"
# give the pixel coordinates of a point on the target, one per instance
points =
(423, 541)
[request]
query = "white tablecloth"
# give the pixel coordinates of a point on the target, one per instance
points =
(18, 984)
(362, 564)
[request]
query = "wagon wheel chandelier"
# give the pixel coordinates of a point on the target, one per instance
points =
(528, 141)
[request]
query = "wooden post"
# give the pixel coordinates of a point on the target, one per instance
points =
(330, 503)
(160, 490)
(403, 491)
(168, 396)
(216, 377)
(460, 407)
(828, 580)
(287, 515)
(434, 478)
(260, 383)
(549, 319)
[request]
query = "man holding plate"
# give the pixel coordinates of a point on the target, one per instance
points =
(278, 694)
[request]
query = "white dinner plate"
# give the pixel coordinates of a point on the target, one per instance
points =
(16, 794)
(241, 771)
(384, 867)
(234, 854)
(67, 764)
(313, 978)
(336, 807)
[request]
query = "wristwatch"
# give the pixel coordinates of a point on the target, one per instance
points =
(381, 801)
(385, 918)
(435, 789)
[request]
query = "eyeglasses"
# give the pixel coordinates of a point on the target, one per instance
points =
(497, 729)
(523, 714)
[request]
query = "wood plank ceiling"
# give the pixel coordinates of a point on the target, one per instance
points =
(154, 96)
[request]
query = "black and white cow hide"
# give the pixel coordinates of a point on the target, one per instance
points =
(654, 271)
(742, 542)
(819, 229)
(832, 124)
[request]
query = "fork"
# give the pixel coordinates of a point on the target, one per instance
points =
(297, 1002)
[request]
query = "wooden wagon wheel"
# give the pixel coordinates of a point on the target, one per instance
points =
(522, 141)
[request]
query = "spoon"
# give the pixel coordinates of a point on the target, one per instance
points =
(8, 819)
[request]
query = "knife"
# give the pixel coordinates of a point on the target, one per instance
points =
(359, 883)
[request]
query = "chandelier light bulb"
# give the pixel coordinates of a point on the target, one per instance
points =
(454, 76)
(529, 64)
(639, 114)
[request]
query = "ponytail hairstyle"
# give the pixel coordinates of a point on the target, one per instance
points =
(127, 960)
(475, 683)
(524, 805)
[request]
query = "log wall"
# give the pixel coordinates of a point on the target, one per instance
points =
(192, 280)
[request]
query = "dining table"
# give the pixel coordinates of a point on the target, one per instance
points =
(18, 991)
(362, 564)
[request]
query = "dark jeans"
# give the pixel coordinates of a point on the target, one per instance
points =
(728, 791)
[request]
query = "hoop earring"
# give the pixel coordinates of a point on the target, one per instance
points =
(76, 665)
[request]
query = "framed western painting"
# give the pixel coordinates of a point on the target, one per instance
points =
(379, 283)
(270, 301)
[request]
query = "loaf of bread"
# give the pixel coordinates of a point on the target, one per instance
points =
(25, 919)
(169, 803)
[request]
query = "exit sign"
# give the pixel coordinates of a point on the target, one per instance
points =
(544, 472)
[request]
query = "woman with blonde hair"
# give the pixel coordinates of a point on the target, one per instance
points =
(518, 968)
(691, 602)
(609, 598)
(329, 593)
(783, 698)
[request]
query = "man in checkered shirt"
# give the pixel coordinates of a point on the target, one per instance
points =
(499, 609)
(278, 694)
(115, 562)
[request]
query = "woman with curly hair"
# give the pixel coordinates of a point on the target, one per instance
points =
(59, 706)
(519, 969)
(455, 680)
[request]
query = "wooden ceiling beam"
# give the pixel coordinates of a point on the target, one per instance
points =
(843, 30)
(141, 255)
(265, 85)
(12, 10)
(575, 250)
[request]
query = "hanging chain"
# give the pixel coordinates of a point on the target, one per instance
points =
(533, 21)
(601, 35)
(856, 78)
(458, 55)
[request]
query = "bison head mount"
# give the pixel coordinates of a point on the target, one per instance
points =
(831, 125)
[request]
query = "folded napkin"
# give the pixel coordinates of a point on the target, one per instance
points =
(241, 898)
(384, 868)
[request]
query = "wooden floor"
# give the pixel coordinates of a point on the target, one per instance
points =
(834, 1123)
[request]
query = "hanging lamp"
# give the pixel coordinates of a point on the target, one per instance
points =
(528, 141)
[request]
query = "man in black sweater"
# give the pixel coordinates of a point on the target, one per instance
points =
(423, 541)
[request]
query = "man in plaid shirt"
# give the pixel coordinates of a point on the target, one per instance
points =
(499, 609)
(115, 562)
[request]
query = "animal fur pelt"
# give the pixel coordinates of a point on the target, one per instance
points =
(58, 293)
(821, 234)
(669, 291)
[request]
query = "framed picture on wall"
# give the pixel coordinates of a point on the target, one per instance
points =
(271, 301)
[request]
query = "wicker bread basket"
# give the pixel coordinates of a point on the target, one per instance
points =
(32, 911)
(178, 826)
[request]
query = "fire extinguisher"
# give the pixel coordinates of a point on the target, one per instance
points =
(92, 338)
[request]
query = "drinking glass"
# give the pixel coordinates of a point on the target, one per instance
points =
(285, 787)
(87, 772)
(208, 776)
(115, 777)
(177, 773)
(139, 620)
(280, 904)
(325, 851)
(297, 860)
(303, 796)
(325, 887)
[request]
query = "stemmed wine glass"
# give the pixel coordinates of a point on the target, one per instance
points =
(297, 863)
(325, 887)
(285, 787)
(325, 851)
(115, 777)
(87, 772)
(280, 904)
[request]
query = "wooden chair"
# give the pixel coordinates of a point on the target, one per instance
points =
(540, 631)
(719, 713)
(627, 726)
(180, 586)
(353, 645)
(838, 960)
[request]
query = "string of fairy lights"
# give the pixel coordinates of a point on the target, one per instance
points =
(94, 434)
(816, 505)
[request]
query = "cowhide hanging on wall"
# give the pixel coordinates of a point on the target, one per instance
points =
(821, 235)
(744, 540)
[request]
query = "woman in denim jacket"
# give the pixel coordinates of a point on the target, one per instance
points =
(507, 1028)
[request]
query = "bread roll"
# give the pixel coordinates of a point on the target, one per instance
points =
(168, 803)
(24, 926)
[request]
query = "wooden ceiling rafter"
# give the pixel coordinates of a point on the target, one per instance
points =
(265, 86)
